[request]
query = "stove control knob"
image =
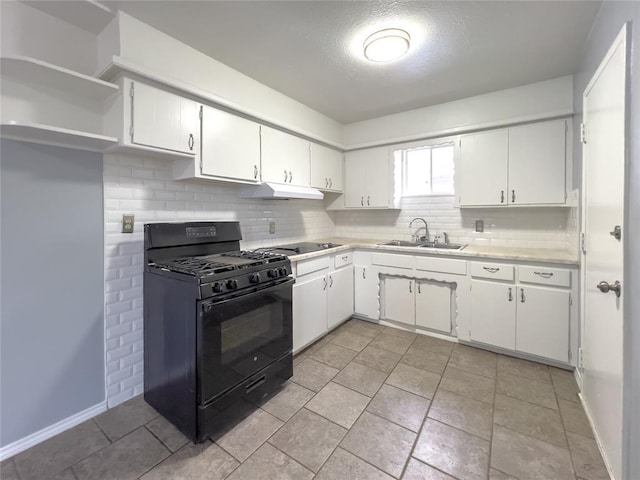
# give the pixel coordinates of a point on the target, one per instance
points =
(254, 278)
(232, 284)
(218, 287)
(283, 271)
(272, 273)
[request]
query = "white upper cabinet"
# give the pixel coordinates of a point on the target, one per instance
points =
(326, 168)
(523, 165)
(537, 163)
(368, 178)
(482, 176)
(163, 120)
(230, 146)
(285, 158)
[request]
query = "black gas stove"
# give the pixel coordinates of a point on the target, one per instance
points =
(217, 323)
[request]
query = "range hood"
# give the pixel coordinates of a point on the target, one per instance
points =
(278, 191)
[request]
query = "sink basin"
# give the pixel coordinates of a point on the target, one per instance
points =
(439, 246)
(402, 243)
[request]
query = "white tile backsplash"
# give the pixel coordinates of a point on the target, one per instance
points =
(144, 187)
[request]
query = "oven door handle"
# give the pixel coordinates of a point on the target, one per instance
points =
(209, 304)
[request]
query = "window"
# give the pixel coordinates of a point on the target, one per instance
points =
(426, 170)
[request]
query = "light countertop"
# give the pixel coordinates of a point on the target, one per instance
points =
(544, 255)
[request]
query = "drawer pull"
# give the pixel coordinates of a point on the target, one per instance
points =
(544, 274)
(491, 269)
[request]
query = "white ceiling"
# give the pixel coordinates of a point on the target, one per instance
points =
(311, 50)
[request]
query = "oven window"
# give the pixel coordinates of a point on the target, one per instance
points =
(250, 330)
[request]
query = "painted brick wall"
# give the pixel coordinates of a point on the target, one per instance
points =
(143, 186)
(508, 227)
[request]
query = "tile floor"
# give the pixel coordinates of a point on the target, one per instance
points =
(366, 402)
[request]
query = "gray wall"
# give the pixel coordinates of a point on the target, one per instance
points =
(611, 18)
(51, 323)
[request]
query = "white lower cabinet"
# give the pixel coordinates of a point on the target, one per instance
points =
(399, 300)
(366, 293)
(322, 298)
(433, 305)
(543, 322)
(309, 311)
(493, 313)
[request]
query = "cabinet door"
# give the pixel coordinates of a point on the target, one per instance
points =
(285, 158)
(378, 177)
(399, 300)
(482, 165)
(543, 322)
(493, 313)
(355, 178)
(163, 120)
(309, 311)
(366, 292)
(433, 305)
(340, 295)
(537, 163)
(326, 168)
(230, 146)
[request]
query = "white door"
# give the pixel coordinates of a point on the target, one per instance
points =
(482, 176)
(399, 300)
(285, 158)
(433, 305)
(366, 293)
(604, 156)
(309, 311)
(189, 126)
(537, 163)
(230, 146)
(542, 323)
(378, 178)
(326, 168)
(340, 295)
(493, 313)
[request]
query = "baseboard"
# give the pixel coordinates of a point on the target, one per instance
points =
(597, 437)
(51, 431)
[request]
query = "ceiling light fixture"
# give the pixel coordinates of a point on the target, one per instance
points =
(386, 45)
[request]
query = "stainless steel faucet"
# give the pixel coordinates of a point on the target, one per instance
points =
(426, 229)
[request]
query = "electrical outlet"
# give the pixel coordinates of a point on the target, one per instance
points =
(272, 228)
(127, 223)
(479, 225)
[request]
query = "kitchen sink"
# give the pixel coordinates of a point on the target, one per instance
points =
(439, 246)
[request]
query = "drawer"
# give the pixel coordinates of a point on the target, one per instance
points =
(343, 259)
(493, 271)
(392, 260)
(305, 267)
(442, 265)
(559, 277)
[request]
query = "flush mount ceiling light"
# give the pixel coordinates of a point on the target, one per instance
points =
(386, 45)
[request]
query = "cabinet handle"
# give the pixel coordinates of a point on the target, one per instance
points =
(410, 291)
(513, 196)
(290, 176)
(330, 183)
(544, 274)
(345, 257)
(522, 295)
(419, 289)
(255, 171)
(368, 200)
(191, 141)
(362, 201)
(501, 196)
(510, 295)
(364, 273)
(491, 269)
(330, 281)
(326, 182)
(285, 176)
(324, 287)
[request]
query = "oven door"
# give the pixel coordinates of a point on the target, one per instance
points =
(240, 335)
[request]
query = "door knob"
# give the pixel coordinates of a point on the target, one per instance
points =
(605, 287)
